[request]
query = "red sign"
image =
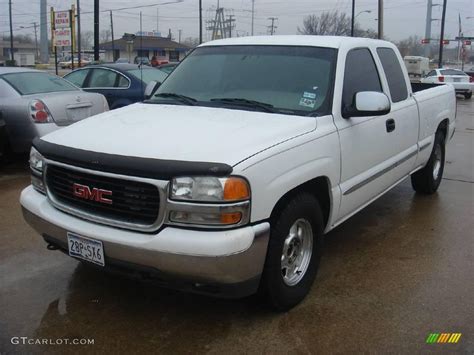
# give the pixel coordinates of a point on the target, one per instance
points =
(425, 41)
(467, 42)
(445, 41)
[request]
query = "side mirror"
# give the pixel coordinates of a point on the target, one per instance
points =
(150, 88)
(368, 103)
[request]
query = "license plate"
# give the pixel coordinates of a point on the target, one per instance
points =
(456, 80)
(77, 114)
(86, 248)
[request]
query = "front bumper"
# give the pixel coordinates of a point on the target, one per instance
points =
(225, 263)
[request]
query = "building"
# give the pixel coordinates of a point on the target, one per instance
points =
(132, 46)
(24, 52)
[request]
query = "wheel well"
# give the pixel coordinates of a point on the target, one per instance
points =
(443, 128)
(319, 187)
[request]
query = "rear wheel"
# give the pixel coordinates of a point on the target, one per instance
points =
(294, 252)
(5, 152)
(468, 95)
(428, 179)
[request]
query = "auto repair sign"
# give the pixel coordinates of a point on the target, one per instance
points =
(62, 19)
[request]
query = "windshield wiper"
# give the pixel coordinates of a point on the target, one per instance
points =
(182, 98)
(246, 102)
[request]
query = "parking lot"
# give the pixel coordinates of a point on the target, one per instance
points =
(391, 275)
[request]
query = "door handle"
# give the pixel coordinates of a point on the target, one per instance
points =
(390, 125)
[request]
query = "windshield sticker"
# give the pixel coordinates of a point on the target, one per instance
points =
(307, 102)
(309, 95)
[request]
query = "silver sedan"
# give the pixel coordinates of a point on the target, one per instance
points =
(34, 103)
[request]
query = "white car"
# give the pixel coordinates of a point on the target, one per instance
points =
(225, 181)
(463, 83)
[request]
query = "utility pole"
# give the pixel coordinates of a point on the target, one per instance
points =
(44, 48)
(429, 9)
(380, 20)
(12, 56)
(96, 30)
(112, 33)
(36, 40)
(353, 18)
(443, 19)
(272, 27)
(157, 18)
(79, 49)
(230, 24)
(200, 21)
(179, 35)
(253, 15)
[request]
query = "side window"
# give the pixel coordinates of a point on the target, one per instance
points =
(431, 73)
(123, 82)
(394, 74)
(77, 77)
(360, 74)
(102, 78)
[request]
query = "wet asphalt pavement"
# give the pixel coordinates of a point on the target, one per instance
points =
(397, 271)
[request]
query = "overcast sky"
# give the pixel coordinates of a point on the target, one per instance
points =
(402, 17)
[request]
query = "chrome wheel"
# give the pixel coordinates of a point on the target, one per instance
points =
(297, 250)
(437, 162)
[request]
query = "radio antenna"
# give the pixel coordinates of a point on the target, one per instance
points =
(140, 64)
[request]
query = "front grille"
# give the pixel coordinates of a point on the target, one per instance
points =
(132, 201)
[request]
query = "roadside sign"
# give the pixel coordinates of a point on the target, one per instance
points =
(62, 37)
(445, 41)
(62, 19)
(425, 41)
(467, 43)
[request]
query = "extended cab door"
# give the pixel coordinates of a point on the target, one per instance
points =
(404, 112)
(371, 145)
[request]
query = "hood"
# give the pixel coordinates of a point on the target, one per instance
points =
(185, 133)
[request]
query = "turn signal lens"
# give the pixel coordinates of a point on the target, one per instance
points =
(236, 189)
(231, 218)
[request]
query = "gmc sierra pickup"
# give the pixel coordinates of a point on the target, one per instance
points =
(225, 181)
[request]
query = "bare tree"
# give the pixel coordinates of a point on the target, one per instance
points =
(20, 39)
(86, 39)
(333, 23)
(190, 42)
(410, 46)
(328, 23)
(105, 36)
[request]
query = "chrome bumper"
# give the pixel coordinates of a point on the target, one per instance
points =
(220, 259)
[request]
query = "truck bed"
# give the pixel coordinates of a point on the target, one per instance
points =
(416, 87)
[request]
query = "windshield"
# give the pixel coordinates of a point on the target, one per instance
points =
(34, 83)
(291, 79)
(148, 74)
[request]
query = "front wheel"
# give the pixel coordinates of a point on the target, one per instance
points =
(428, 179)
(468, 95)
(294, 252)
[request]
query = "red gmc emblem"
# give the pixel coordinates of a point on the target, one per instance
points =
(94, 194)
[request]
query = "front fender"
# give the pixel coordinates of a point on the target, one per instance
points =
(296, 163)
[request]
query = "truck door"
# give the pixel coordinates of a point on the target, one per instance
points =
(368, 146)
(404, 112)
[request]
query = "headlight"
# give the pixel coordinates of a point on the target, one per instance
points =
(36, 167)
(209, 201)
(209, 189)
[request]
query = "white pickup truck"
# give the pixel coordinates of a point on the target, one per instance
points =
(226, 180)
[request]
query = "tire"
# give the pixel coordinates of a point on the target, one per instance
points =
(427, 180)
(468, 95)
(5, 151)
(301, 213)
